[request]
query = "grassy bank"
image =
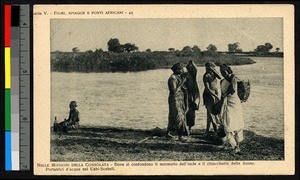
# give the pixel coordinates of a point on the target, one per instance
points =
(120, 144)
(100, 61)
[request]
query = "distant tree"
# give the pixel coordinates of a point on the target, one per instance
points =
(277, 49)
(98, 50)
(171, 49)
(212, 48)
(128, 47)
(114, 45)
(239, 50)
(75, 49)
(177, 53)
(148, 50)
(260, 48)
(196, 49)
(269, 46)
(89, 51)
(233, 47)
(98, 53)
(187, 49)
(263, 49)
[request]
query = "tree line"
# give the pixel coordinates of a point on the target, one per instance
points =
(127, 57)
(114, 45)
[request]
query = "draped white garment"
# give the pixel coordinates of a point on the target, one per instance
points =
(231, 113)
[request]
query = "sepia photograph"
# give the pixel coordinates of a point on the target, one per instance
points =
(147, 89)
(162, 91)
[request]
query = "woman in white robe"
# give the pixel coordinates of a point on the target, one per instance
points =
(231, 113)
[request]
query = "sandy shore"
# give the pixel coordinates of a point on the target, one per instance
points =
(120, 144)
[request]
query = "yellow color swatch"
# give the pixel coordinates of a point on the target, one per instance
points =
(7, 68)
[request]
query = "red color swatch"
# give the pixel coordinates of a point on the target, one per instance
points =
(7, 16)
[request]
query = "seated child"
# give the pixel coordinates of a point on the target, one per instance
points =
(72, 122)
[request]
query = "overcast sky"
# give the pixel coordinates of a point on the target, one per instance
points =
(162, 34)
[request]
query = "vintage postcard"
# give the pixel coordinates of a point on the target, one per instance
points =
(164, 90)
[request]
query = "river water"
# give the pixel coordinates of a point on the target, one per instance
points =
(140, 100)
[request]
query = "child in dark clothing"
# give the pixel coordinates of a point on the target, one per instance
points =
(72, 122)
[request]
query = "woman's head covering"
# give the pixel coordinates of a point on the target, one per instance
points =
(211, 66)
(226, 68)
(176, 67)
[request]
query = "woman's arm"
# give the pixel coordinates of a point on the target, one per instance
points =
(173, 87)
(209, 90)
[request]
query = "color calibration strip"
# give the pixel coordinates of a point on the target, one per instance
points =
(24, 84)
(7, 23)
(17, 87)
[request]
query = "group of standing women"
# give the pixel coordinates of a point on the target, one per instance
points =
(184, 100)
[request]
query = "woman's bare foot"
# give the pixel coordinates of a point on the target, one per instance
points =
(237, 150)
(183, 138)
(169, 135)
(225, 145)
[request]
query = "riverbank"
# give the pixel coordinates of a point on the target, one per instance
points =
(121, 144)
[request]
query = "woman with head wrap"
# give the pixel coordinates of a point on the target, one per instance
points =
(177, 106)
(231, 112)
(210, 94)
